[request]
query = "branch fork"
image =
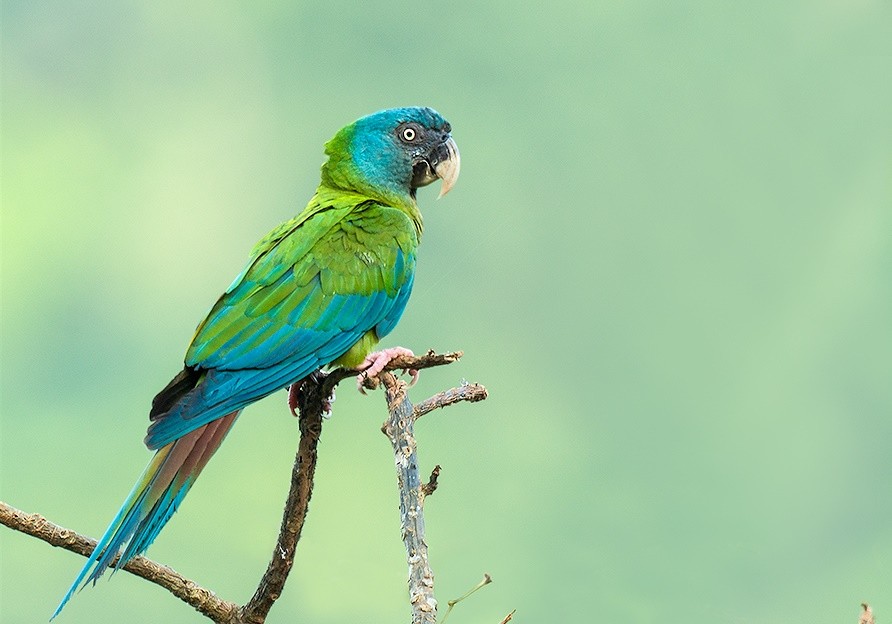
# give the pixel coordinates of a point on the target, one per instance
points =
(312, 400)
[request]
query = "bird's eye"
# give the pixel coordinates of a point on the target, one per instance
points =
(408, 134)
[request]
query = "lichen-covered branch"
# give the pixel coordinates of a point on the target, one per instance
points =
(399, 428)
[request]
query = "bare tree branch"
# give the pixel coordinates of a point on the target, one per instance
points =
(310, 406)
(312, 399)
(203, 600)
(428, 360)
(466, 392)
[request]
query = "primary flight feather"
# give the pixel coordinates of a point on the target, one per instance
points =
(321, 289)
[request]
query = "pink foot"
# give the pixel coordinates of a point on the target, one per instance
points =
(375, 363)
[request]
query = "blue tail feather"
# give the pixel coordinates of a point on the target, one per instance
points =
(152, 502)
(108, 544)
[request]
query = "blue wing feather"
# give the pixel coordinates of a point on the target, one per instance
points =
(290, 315)
(386, 324)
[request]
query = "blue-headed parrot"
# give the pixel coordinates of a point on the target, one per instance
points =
(319, 290)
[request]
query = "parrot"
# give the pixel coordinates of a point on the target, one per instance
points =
(318, 291)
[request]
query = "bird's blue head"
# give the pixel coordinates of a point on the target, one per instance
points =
(388, 155)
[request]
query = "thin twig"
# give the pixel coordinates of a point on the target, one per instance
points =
(508, 617)
(465, 392)
(487, 579)
(203, 600)
(431, 486)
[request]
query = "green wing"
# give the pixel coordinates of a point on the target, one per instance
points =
(313, 288)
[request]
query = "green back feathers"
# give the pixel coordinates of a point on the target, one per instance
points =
(301, 276)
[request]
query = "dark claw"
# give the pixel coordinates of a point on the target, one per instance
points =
(294, 396)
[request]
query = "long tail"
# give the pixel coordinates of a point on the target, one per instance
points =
(153, 500)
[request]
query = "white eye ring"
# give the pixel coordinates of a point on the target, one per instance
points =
(408, 134)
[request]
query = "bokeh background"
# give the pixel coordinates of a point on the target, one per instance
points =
(668, 258)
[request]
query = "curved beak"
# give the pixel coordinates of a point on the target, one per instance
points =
(446, 165)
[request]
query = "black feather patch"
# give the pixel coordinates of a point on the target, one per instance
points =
(178, 387)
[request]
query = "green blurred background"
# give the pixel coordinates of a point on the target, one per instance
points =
(668, 258)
